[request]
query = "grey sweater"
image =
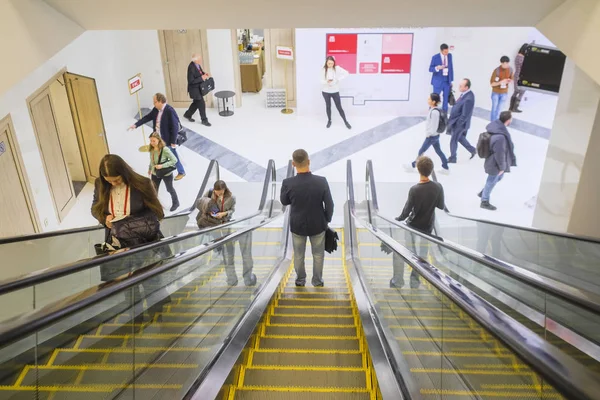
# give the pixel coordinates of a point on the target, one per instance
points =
(432, 122)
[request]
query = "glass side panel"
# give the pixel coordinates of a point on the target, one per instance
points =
(152, 340)
(448, 354)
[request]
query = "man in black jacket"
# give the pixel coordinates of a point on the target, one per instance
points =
(195, 76)
(166, 122)
(501, 156)
(311, 211)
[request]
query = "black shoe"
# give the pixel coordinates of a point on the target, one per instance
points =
(328, 124)
(348, 125)
(300, 284)
(175, 206)
(473, 154)
(516, 110)
(189, 118)
(206, 123)
(451, 161)
(487, 206)
(480, 194)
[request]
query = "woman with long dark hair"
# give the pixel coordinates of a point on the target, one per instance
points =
(162, 165)
(331, 75)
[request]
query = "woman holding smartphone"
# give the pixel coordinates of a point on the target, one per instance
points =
(331, 75)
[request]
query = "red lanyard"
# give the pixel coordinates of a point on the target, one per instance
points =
(112, 203)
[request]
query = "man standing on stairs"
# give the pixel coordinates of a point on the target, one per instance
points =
(311, 212)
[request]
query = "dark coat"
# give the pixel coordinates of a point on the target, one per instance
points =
(460, 117)
(311, 202)
(194, 78)
(502, 149)
(169, 123)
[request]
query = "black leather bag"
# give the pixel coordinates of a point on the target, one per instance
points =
(451, 98)
(161, 173)
(331, 239)
(181, 135)
(207, 86)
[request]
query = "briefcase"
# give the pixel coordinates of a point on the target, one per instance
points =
(331, 239)
(207, 86)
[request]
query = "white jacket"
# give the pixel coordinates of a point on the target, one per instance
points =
(337, 74)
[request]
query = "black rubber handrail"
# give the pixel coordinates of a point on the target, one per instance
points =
(578, 297)
(563, 372)
(35, 278)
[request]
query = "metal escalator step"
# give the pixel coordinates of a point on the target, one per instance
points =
(437, 332)
(314, 310)
(264, 394)
(308, 289)
(310, 330)
(313, 302)
(314, 344)
(283, 358)
(316, 295)
(301, 319)
(322, 378)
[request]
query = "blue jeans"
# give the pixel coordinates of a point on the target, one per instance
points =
(455, 139)
(498, 100)
(443, 87)
(435, 142)
(491, 181)
(179, 165)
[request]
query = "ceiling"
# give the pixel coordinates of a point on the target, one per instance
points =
(178, 14)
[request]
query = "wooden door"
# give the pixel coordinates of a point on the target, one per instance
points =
(53, 158)
(17, 214)
(89, 125)
(177, 47)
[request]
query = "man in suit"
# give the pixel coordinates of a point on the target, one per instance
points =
(460, 120)
(442, 74)
(312, 210)
(166, 122)
(195, 76)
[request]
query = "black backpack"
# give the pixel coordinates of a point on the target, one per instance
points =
(483, 145)
(443, 121)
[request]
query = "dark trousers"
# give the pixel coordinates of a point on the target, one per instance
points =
(169, 184)
(443, 87)
(197, 104)
(338, 104)
(435, 142)
(418, 246)
(456, 138)
(179, 165)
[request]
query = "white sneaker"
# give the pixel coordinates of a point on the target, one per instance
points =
(444, 171)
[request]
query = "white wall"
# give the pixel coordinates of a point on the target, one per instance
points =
(111, 57)
(477, 52)
(220, 53)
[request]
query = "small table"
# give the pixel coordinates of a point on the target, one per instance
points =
(225, 95)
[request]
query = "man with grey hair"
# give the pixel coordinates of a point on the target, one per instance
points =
(195, 76)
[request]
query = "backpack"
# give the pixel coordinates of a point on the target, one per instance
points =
(483, 145)
(443, 122)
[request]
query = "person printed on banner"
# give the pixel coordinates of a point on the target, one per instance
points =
(442, 74)
(162, 165)
(501, 78)
(435, 123)
(165, 121)
(331, 75)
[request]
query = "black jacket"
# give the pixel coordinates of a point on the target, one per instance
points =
(169, 123)
(194, 78)
(311, 203)
(502, 149)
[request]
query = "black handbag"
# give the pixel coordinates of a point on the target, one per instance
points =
(181, 135)
(331, 239)
(451, 98)
(161, 173)
(207, 86)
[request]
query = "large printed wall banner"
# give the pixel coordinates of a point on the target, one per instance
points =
(378, 63)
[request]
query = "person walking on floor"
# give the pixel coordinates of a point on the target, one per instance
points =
(162, 165)
(518, 93)
(500, 80)
(442, 74)
(331, 75)
(460, 120)
(311, 212)
(419, 214)
(165, 121)
(195, 76)
(435, 123)
(501, 156)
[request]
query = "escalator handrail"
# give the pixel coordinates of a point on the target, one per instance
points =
(44, 235)
(521, 228)
(48, 274)
(578, 297)
(40, 319)
(567, 376)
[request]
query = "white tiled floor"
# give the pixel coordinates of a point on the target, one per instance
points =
(260, 134)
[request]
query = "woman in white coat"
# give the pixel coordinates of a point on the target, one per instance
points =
(331, 75)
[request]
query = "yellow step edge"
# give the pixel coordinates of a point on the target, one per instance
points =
(311, 325)
(305, 351)
(102, 388)
(457, 354)
(304, 368)
(431, 328)
(307, 389)
(492, 366)
(517, 387)
(450, 340)
(468, 372)
(153, 336)
(519, 395)
(199, 315)
(115, 367)
(311, 337)
(319, 307)
(313, 300)
(137, 349)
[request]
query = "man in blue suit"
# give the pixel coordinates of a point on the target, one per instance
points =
(165, 121)
(460, 120)
(442, 74)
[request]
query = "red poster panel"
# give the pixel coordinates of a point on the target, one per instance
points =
(395, 63)
(345, 43)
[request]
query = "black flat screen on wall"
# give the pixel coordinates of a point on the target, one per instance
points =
(542, 69)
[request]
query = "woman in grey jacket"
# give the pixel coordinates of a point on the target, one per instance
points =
(432, 138)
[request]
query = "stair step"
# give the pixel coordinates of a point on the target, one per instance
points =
(313, 302)
(298, 330)
(282, 358)
(313, 310)
(300, 319)
(330, 378)
(301, 394)
(309, 344)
